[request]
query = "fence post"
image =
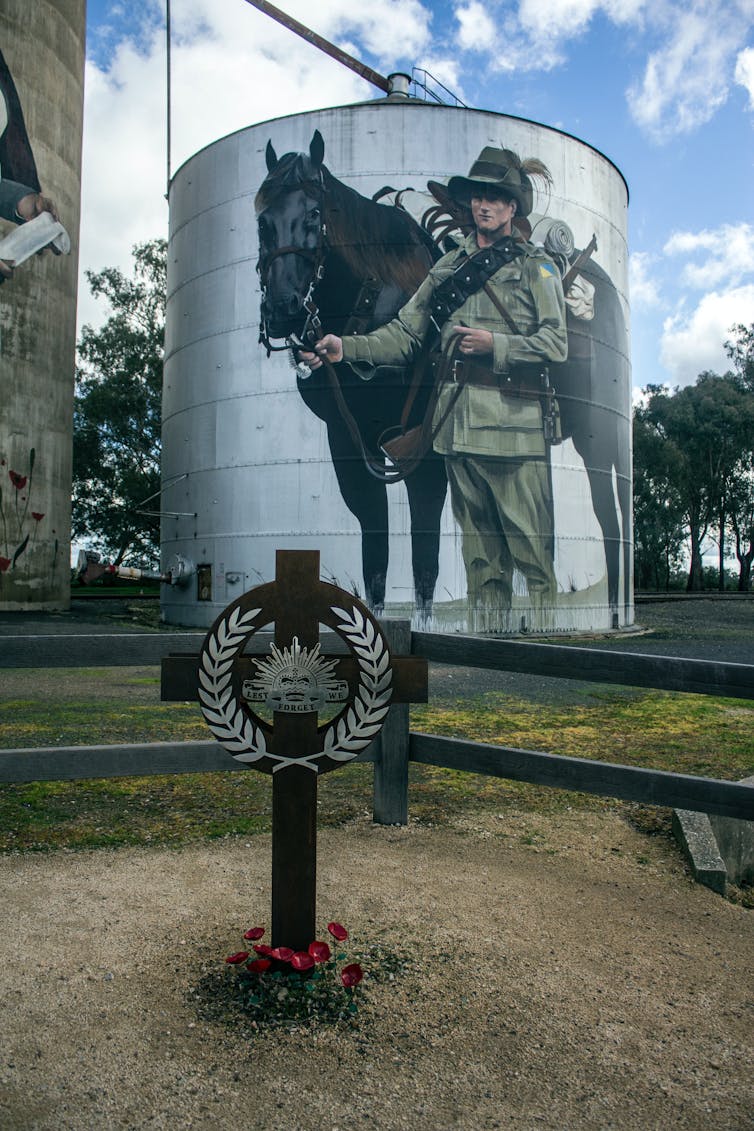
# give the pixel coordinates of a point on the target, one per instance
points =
(390, 800)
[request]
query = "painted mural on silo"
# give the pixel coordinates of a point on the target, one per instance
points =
(40, 158)
(467, 463)
(455, 352)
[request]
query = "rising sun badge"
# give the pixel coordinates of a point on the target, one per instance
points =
(295, 680)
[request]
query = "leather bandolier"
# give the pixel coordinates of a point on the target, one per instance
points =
(405, 446)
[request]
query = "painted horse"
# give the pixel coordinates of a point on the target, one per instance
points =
(591, 390)
(329, 256)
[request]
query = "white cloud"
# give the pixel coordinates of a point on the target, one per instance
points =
(744, 73)
(643, 289)
(727, 254)
(388, 29)
(477, 30)
(564, 19)
(533, 36)
(687, 79)
(696, 49)
(231, 67)
(694, 342)
(568, 18)
(123, 173)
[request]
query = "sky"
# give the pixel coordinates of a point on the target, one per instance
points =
(664, 89)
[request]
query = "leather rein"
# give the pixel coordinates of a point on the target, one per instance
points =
(312, 331)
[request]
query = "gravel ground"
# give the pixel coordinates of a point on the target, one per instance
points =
(566, 972)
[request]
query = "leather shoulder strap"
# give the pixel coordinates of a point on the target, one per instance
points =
(469, 277)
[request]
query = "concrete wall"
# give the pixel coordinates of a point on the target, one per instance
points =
(42, 42)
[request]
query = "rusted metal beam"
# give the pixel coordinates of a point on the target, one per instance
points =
(323, 44)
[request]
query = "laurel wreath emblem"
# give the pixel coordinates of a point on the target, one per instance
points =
(234, 730)
(222, 711)
(356, 729)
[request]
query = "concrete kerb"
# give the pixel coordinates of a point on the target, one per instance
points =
(720, 850)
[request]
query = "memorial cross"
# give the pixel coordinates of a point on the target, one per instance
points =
(295, 682)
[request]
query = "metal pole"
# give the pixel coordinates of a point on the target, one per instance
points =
(323, 44)
(167, 42)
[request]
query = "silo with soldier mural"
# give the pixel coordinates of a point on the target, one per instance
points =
(397, 332)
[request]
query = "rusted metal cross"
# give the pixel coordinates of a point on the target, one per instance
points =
(295, 681)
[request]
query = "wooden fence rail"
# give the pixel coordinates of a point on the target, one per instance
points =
(396, 746)
(583, 775)
(597, 665)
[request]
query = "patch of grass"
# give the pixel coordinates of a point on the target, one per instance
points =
(26, 722)
(116, 811)
(743, 895)
(690, 734)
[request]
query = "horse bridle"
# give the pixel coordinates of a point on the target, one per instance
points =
(311, 332)
(312, 328)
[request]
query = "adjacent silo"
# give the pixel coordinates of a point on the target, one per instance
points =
(248, 463)
(41, 110)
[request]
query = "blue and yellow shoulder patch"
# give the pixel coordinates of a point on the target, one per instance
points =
(547, 270)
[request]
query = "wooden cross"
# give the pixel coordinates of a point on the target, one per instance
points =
(298, 602)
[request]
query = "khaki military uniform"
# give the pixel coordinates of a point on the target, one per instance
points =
(491, 433)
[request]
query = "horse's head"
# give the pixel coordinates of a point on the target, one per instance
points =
(291, 235)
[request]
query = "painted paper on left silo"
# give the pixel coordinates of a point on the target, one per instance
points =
(41, 112)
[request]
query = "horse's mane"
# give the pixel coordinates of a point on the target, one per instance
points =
(293, 170)
(376, 239)
(373, 239)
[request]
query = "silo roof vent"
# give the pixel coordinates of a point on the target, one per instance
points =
(398, 85)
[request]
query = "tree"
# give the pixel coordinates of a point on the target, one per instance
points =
(117, 408)
(707, 432)
(741, 510)
(741, 352)
(659, 532)
(741, 525)
(726, 416)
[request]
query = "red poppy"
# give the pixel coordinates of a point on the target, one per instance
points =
(282, 953)
(17, 480)
(238, 958)
(37, 516)
(319, 951)
(4, 563)
(263, 950)
(259, 965)
(351, 975)
(337, 931)
(253, 933)
(302, 960)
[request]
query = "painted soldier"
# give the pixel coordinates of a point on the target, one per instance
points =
(497, 304)
(21, 198)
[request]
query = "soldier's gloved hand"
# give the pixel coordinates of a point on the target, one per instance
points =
(330, 347)
(474, 342)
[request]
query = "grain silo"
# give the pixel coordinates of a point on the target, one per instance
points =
(253, 456)
(41, 109)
